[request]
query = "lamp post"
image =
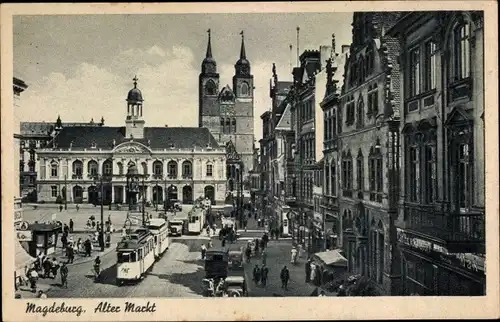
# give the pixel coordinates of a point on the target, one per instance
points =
(99, 178)
(157, 194)
(65, 193)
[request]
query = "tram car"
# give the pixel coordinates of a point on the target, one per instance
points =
(196, 221)
(158, 227)
(136, 255)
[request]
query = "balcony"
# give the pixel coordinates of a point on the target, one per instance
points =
(158, 176)
(460, 232)
(77, 177)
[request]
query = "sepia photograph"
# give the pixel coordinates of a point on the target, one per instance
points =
(300, 154)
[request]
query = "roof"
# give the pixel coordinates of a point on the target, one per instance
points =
(285, 122)
(157, 222)
(332, 257)
(154, 137)
(283, 87)
(234, 279)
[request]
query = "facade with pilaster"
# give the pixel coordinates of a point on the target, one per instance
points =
(180, 163)
(441, 223)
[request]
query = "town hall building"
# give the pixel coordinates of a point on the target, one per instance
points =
(181, 163)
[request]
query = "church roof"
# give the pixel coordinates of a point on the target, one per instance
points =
(154, 137)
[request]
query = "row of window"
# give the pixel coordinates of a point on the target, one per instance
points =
(228, 125)
(423, 68)
(375, 175)
(92, 166)
(305, 111)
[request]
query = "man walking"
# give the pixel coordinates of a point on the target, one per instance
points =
(265, 272)
(64, 275)
(71, 225)
(284, 276)
(256, 274)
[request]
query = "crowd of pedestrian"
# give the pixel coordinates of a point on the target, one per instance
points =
(43, 267)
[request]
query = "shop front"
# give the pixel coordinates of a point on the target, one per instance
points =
(429, 269)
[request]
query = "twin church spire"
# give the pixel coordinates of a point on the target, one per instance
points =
(209, 65)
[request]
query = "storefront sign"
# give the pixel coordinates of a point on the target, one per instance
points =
(24, 236)
(469, 261)
(414, 242)
(18, 216)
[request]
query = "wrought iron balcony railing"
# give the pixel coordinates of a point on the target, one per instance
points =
(462, 232)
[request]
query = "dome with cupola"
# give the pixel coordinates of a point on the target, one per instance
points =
(135, 94)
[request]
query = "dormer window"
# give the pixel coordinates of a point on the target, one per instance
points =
(93, 145)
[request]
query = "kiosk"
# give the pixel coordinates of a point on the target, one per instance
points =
(44, 238)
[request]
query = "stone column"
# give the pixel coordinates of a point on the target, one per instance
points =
(124, 193)
(112, 194)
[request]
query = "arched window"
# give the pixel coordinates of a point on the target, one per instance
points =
(120, 168)
(234, 125)
(107, 167)
(172, 169)
(461, 51)
(54, 169)
(144, 168)
(93, 167)
(187, 169)
(77, 169)
(158, 168)
(210, 88)
(244, 89)
(228, 125)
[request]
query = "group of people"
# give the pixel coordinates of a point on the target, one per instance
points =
(44, 267)
(260, 274)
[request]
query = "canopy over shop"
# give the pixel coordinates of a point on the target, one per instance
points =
(330, 266)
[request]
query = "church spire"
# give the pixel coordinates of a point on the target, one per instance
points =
(209, 45)
(242, 50)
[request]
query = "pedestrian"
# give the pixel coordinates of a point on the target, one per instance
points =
(79, 245)
(71, 225)
(256, 274)
(308, 270)
(93, 224)
(64, 275)
(293, 259)
(313, 273)
(248, 253)
(47, 267)
(203, 251)
(89, 224)
(55, 267)
(264, 257)
(88, 247)
(33, 280)
(77, 207)
(284, 276)
(64, 240)
(71, 254)
(66, 229)
(60, 208)
(223, 241)
(265, 272)
(256, 247)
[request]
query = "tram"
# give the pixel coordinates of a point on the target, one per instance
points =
(136, 255)
(158, 227)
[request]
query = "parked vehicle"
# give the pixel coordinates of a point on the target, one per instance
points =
(235, 286)
(236, 258)
(175, 227)
(216, 263)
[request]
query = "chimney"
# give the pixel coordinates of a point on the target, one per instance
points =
(345, 48)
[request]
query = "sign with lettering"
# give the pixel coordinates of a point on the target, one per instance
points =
(24, 236)
(469, 261)
(22, 225)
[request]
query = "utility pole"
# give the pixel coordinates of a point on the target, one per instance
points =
(144, 204)
(101, 235)
(157, 194)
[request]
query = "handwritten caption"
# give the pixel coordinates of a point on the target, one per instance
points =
(102, 307)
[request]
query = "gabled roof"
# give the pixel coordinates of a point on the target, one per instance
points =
(285, 122)
(226, 94)
(154, 137)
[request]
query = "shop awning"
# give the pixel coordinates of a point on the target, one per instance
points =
(333, 258)
(22, 258)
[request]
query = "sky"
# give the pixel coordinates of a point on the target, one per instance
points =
(81, 66)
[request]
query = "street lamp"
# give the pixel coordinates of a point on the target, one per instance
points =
(65, 193)
(100, 179)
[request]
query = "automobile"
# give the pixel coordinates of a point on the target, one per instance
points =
(175, 227)
(235, 286)
(236, 258)
(216, 263)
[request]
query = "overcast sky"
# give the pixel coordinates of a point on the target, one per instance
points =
(81, 67)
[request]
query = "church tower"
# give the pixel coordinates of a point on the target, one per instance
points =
(244, 108)
(134, 123)
(208, 91)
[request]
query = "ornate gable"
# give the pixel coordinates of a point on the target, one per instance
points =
(231, 153)
(458, 117)
(131, 147)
